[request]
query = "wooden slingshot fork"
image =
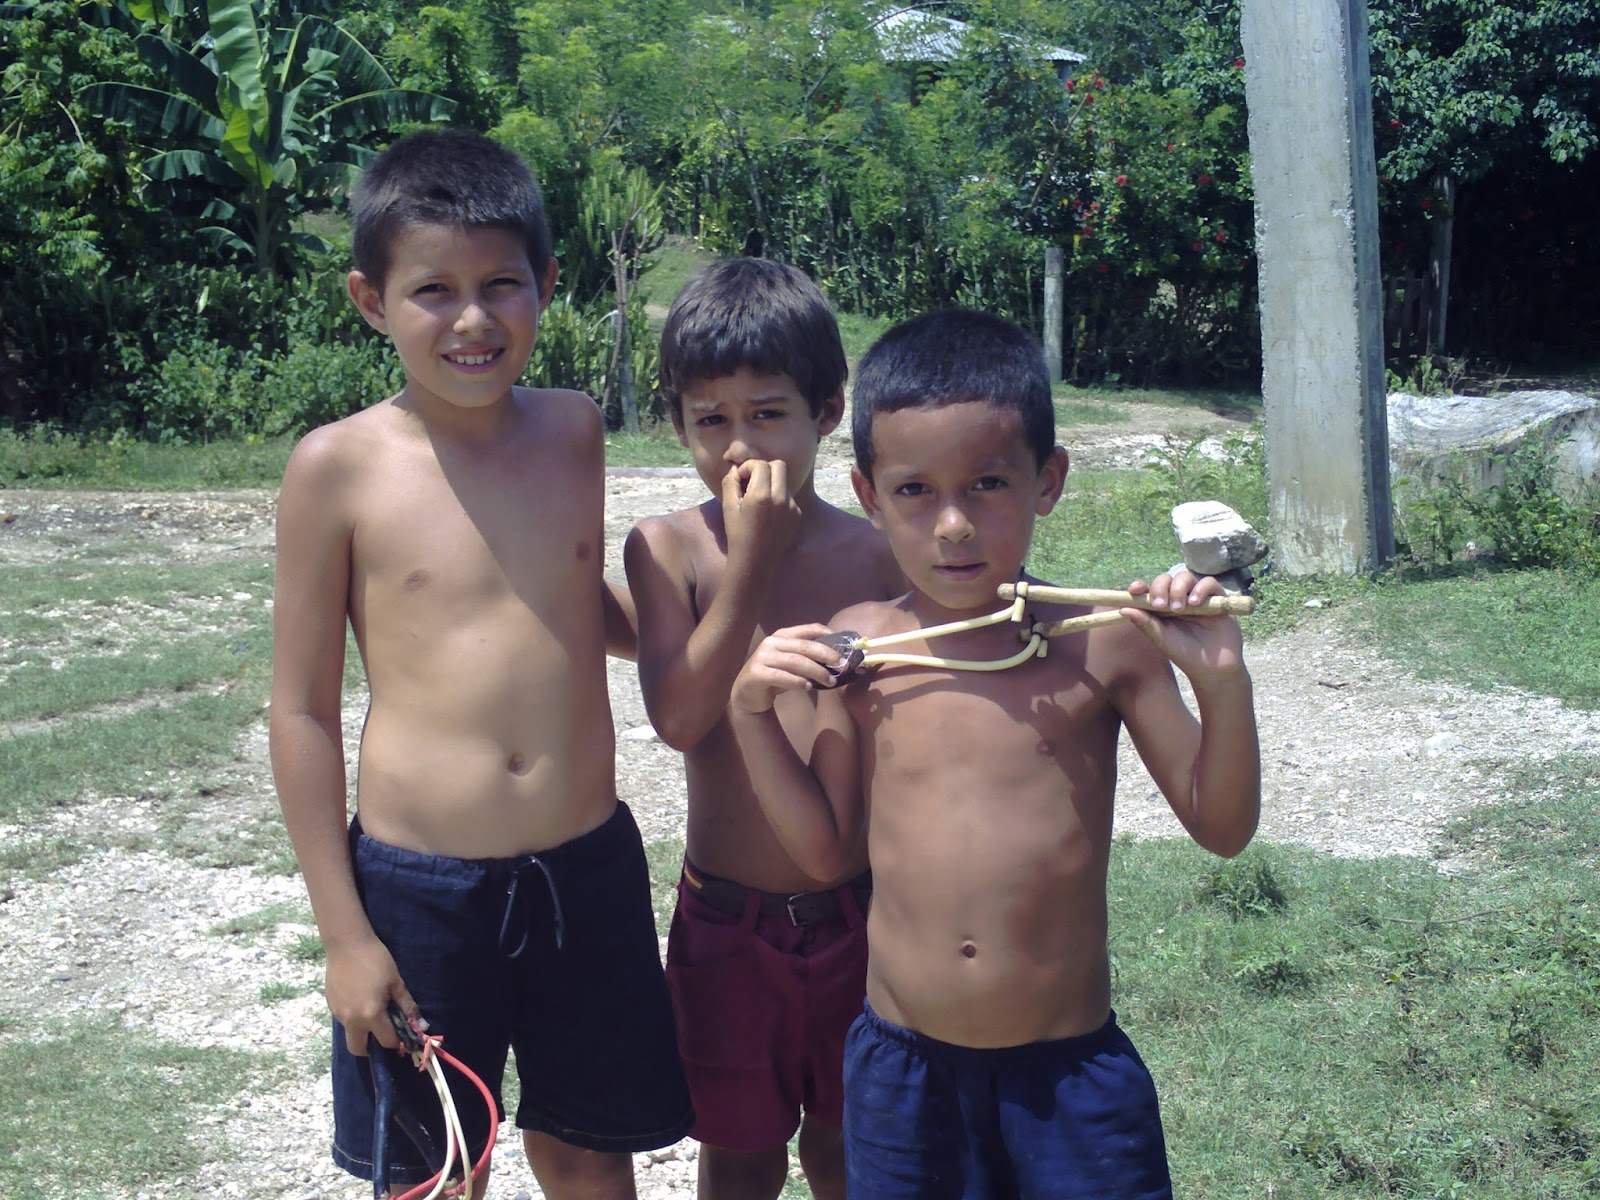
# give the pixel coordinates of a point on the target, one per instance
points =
(861, 652)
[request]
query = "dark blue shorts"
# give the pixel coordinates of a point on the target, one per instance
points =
(476, 942)
(927, 1120)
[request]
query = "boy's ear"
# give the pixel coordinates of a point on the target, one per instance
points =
(830, 414)
(868, 497)
(368, 300)
(1052, 479)
(547, 284)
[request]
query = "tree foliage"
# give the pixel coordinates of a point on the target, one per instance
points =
(268, 121)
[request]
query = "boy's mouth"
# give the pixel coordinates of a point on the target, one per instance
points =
(480, 359)
(959, 571)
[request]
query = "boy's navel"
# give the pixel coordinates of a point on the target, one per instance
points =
(416, 579)
(968, 950)
(517, 764)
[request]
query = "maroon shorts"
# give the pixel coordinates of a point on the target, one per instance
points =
(765, 987)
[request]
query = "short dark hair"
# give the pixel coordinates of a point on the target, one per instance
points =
(955, 356)
(754, 313)
(445, 177)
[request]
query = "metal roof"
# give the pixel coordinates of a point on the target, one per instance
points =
(912, 35)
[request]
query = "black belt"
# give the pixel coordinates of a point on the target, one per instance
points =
(802, 908)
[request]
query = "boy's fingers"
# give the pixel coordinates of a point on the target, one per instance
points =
(732, 489)
(778, 484)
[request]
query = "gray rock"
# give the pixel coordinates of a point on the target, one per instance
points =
(1434, 438)
(1215, 539)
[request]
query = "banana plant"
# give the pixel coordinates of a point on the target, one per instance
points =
(267, 123)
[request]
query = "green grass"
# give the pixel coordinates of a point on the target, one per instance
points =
(670, 268)
(1370, 1029)
(46, 458)
(92, 1112)
(1110, 406)
(144, 752)
(656, 445)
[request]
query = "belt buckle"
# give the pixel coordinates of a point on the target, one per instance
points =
(797, 898)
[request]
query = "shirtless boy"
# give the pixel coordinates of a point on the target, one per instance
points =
(989, 1062)
(491, 883)
(766, 961)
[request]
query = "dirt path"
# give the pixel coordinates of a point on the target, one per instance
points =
(1360, 758)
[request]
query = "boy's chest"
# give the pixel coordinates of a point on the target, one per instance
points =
(807, 587)
(1038, 710)
(433, 534)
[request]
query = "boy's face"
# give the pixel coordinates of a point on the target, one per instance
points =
(462, 308)
(956, 490)
(745, 416)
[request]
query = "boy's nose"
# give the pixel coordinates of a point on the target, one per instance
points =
(738, 451)
(953, 525)
(473, 315)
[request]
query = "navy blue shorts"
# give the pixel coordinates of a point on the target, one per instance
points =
(927, 1120)
(552, 955)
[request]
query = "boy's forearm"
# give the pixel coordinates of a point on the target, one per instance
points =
(692, 694)
(1226, 796)
(791, 797)
(622, 621)
(308, 769)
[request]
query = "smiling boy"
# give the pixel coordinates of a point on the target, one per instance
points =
(989, 1062)
(766, 961)
(491, 882)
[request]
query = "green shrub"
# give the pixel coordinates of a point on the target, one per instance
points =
(319, 382)
(47, 453)
(200, 392)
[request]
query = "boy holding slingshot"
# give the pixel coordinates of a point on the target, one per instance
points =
(989, 1062)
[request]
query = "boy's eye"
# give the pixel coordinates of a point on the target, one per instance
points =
(506, 281)
(988, 483)
(771, 414)
(709, 420)
(911, 489)
(429, 289)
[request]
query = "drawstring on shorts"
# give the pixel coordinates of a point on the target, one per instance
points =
(517, 903)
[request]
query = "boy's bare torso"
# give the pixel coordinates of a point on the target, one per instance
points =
(475, 598)
(989, 811)
(836, 559)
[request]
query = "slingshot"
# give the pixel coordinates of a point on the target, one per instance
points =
(861, 652)
(453, 1176)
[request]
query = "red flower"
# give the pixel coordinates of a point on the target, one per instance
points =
(1204, 179)
(1122, 181)
(1394, 123)
(1171, 146)
(1088, 99)
(1099, 83)
(1427, 204)
(1088, 231)
(1094, 206)
(1238, 62)
(1071, 83)
(1101, 267)
(1197, 247)
(1075, 202)
(1221, 237)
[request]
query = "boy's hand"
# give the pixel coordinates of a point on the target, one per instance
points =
(758, 512)
(359, 983)
(789, 660)
(1206, 649)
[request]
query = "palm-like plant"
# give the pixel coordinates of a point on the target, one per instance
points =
(267, 122)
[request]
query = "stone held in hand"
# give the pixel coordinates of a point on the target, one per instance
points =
(1215, 539)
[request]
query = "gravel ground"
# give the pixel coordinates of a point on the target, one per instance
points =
(1361, 758)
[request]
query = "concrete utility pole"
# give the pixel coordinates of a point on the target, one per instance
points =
(1054, 307)
(1309, 95)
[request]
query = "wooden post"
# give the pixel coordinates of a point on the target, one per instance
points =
(1054, 309)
